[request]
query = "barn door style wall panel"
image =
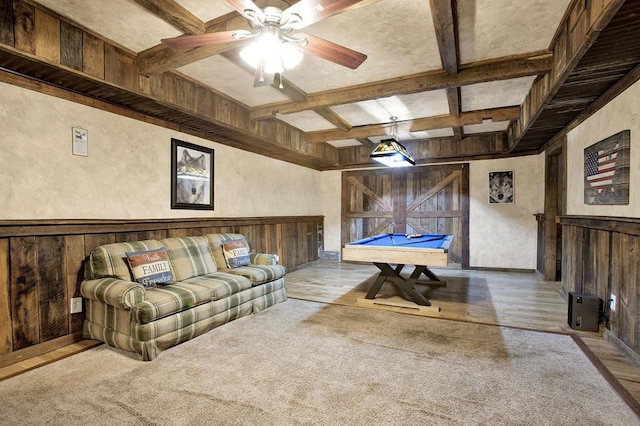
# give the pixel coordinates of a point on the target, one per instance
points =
(426, 200)
(42, 267)
(601, 255)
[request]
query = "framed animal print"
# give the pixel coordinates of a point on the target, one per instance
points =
(191, 176)
(501, 187)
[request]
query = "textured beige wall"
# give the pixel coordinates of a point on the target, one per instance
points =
(127, 172)
(332, 210)
(504, 235)
(620, 114)
(126, 176)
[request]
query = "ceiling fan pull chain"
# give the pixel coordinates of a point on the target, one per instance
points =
(261, 65)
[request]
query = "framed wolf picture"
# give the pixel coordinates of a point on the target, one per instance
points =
(191, 176)
(501, 187)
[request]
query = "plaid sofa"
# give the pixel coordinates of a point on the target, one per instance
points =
(126, 315)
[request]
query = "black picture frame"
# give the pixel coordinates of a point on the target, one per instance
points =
(191, 176)
(501, 188)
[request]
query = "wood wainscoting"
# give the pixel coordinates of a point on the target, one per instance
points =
(601, 255)
(42, 264)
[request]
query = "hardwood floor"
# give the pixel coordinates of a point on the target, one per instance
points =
(513, 299)
(500, 298)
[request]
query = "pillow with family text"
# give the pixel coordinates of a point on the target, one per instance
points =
(150, 268)
(236, 252)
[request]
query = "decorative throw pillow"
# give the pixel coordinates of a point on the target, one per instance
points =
(150, 268)
(236, 252)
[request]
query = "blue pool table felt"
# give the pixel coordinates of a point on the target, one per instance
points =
(434, 241)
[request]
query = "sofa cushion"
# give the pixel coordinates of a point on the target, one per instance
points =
(236, 253)
(190, 256)
(263, 258)
(259, 274)
(222, 284)
(151, 267)
(215, 243)
(110, 260)
(167, 300)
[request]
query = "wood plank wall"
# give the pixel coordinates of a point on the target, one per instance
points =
(601, 255)
(112, 73)
(42, 267)
(575, 35)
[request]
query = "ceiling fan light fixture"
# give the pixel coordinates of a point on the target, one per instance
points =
(272, 52)
(391, 153)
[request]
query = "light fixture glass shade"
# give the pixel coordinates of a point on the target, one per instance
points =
(392, 154)
(275, 55)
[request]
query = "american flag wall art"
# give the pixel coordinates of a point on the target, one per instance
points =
(606, 170)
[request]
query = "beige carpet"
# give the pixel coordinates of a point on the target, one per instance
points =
(306, 363)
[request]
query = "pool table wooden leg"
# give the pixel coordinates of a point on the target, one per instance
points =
(393, 275)
(385, 271)
(423, 270)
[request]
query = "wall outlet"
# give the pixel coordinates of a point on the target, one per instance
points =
(612, 302)
(76, 305)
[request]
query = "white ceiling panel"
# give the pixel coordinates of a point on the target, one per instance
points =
(344, 143)
(124, 22)
(404, 107)
(232, 80)
(307, 121)
(495, 94)
(496, 28)
(381, 34)
(436, 133)
(487, 126)
(206, 10)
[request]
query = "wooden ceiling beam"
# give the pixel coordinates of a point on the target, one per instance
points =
(444, 22)
(453, 98)
(417, 125)
(458, 134)
(175, 14)
(366, 142)
(334, 119)
(534, 63)
(443, 13)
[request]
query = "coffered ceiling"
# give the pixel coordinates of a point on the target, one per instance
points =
(456, 74)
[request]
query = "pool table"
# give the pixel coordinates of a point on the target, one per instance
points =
(420, 250)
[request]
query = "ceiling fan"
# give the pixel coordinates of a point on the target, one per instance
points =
(274, 48)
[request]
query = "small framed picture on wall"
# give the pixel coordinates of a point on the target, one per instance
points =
(501, 187)
(191, 176)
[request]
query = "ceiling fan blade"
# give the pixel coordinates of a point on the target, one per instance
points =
(311, 11)
(190, 41)
(331, 52)
(247, 8)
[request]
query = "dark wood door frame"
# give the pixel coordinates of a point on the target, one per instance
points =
(549, 250)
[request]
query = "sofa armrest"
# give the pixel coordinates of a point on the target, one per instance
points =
(263, 258)
(113, 291)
